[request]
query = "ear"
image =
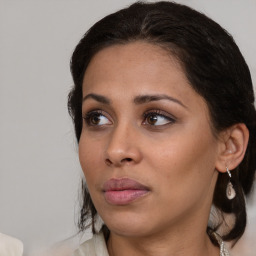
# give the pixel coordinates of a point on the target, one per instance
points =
(232, 147)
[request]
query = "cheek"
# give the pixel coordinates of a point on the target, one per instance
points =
(90, 157)
(184, 162)
(186, 182)
(193, 144)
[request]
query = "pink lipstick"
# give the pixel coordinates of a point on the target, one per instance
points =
(123, 191)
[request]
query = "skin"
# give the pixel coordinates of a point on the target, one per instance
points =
(176, 157)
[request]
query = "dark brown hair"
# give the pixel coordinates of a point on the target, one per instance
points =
(214, 67)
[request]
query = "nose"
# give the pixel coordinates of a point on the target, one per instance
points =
(123, 147)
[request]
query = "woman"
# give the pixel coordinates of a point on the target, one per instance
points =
(163, 112)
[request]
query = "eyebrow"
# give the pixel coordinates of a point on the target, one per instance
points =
(97, 97)
(141, 99)
(148, 98)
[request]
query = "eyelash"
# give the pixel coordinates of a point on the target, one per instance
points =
(159, 113)
(91, 114)
(97, 113)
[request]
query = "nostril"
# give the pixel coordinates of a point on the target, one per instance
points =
(118, 162)
(108, 162)
(127, 160)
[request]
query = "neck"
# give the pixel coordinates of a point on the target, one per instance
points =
(184, 237)
(162, 246)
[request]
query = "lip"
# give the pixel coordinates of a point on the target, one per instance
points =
(123, 191)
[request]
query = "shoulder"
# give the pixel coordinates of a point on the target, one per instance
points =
(96, 246)
(10, 246)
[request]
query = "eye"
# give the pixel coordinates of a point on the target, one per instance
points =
(157, 118)
(96, 118)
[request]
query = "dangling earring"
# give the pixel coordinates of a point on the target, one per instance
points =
(230, 191)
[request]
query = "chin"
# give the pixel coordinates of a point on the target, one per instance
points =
(128, 225)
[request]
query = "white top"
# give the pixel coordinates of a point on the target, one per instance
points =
(96, 246)
(10, 246)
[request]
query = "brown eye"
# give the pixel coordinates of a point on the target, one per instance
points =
(152, 119)
(95, 118)
(157, 118)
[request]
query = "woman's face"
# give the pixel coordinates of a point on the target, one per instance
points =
(146, 148)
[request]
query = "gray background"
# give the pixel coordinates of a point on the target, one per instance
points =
(40, 173)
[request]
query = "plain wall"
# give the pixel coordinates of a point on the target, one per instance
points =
(40, 173)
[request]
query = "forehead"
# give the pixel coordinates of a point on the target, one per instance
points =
(143, 61)
(137, 67)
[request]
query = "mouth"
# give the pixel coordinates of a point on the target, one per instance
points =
(123, 191)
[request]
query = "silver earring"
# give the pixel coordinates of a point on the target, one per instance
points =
(230, 191)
